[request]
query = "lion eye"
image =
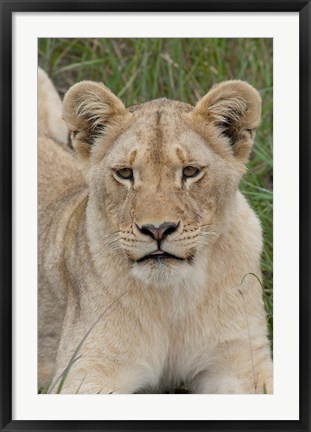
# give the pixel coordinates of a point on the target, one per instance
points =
(190, 171)
(125, 173)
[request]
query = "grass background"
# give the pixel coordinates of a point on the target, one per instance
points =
(137, 70)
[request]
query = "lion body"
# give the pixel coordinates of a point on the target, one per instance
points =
(144, 326)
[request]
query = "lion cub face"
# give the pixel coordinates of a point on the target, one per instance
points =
(163, 175)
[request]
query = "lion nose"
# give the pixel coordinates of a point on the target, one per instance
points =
(158, 233)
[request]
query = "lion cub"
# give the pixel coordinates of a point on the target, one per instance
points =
(144, 241)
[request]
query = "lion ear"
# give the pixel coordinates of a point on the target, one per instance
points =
(89, 108)
(234, 107)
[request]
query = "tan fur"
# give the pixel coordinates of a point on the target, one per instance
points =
(50, 121)
(152, 324)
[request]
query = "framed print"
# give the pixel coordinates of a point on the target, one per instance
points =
(155, 215)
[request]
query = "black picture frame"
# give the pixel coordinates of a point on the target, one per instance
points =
(7, 9)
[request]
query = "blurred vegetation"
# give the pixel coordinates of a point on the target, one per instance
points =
(141, 69)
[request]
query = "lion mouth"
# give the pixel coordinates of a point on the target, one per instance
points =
(159, 255)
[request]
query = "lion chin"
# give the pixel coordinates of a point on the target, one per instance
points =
(165, 273)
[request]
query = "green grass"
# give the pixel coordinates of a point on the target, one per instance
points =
(141, 69)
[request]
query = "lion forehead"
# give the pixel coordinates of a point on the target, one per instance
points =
(158, 133)
(161, 104)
